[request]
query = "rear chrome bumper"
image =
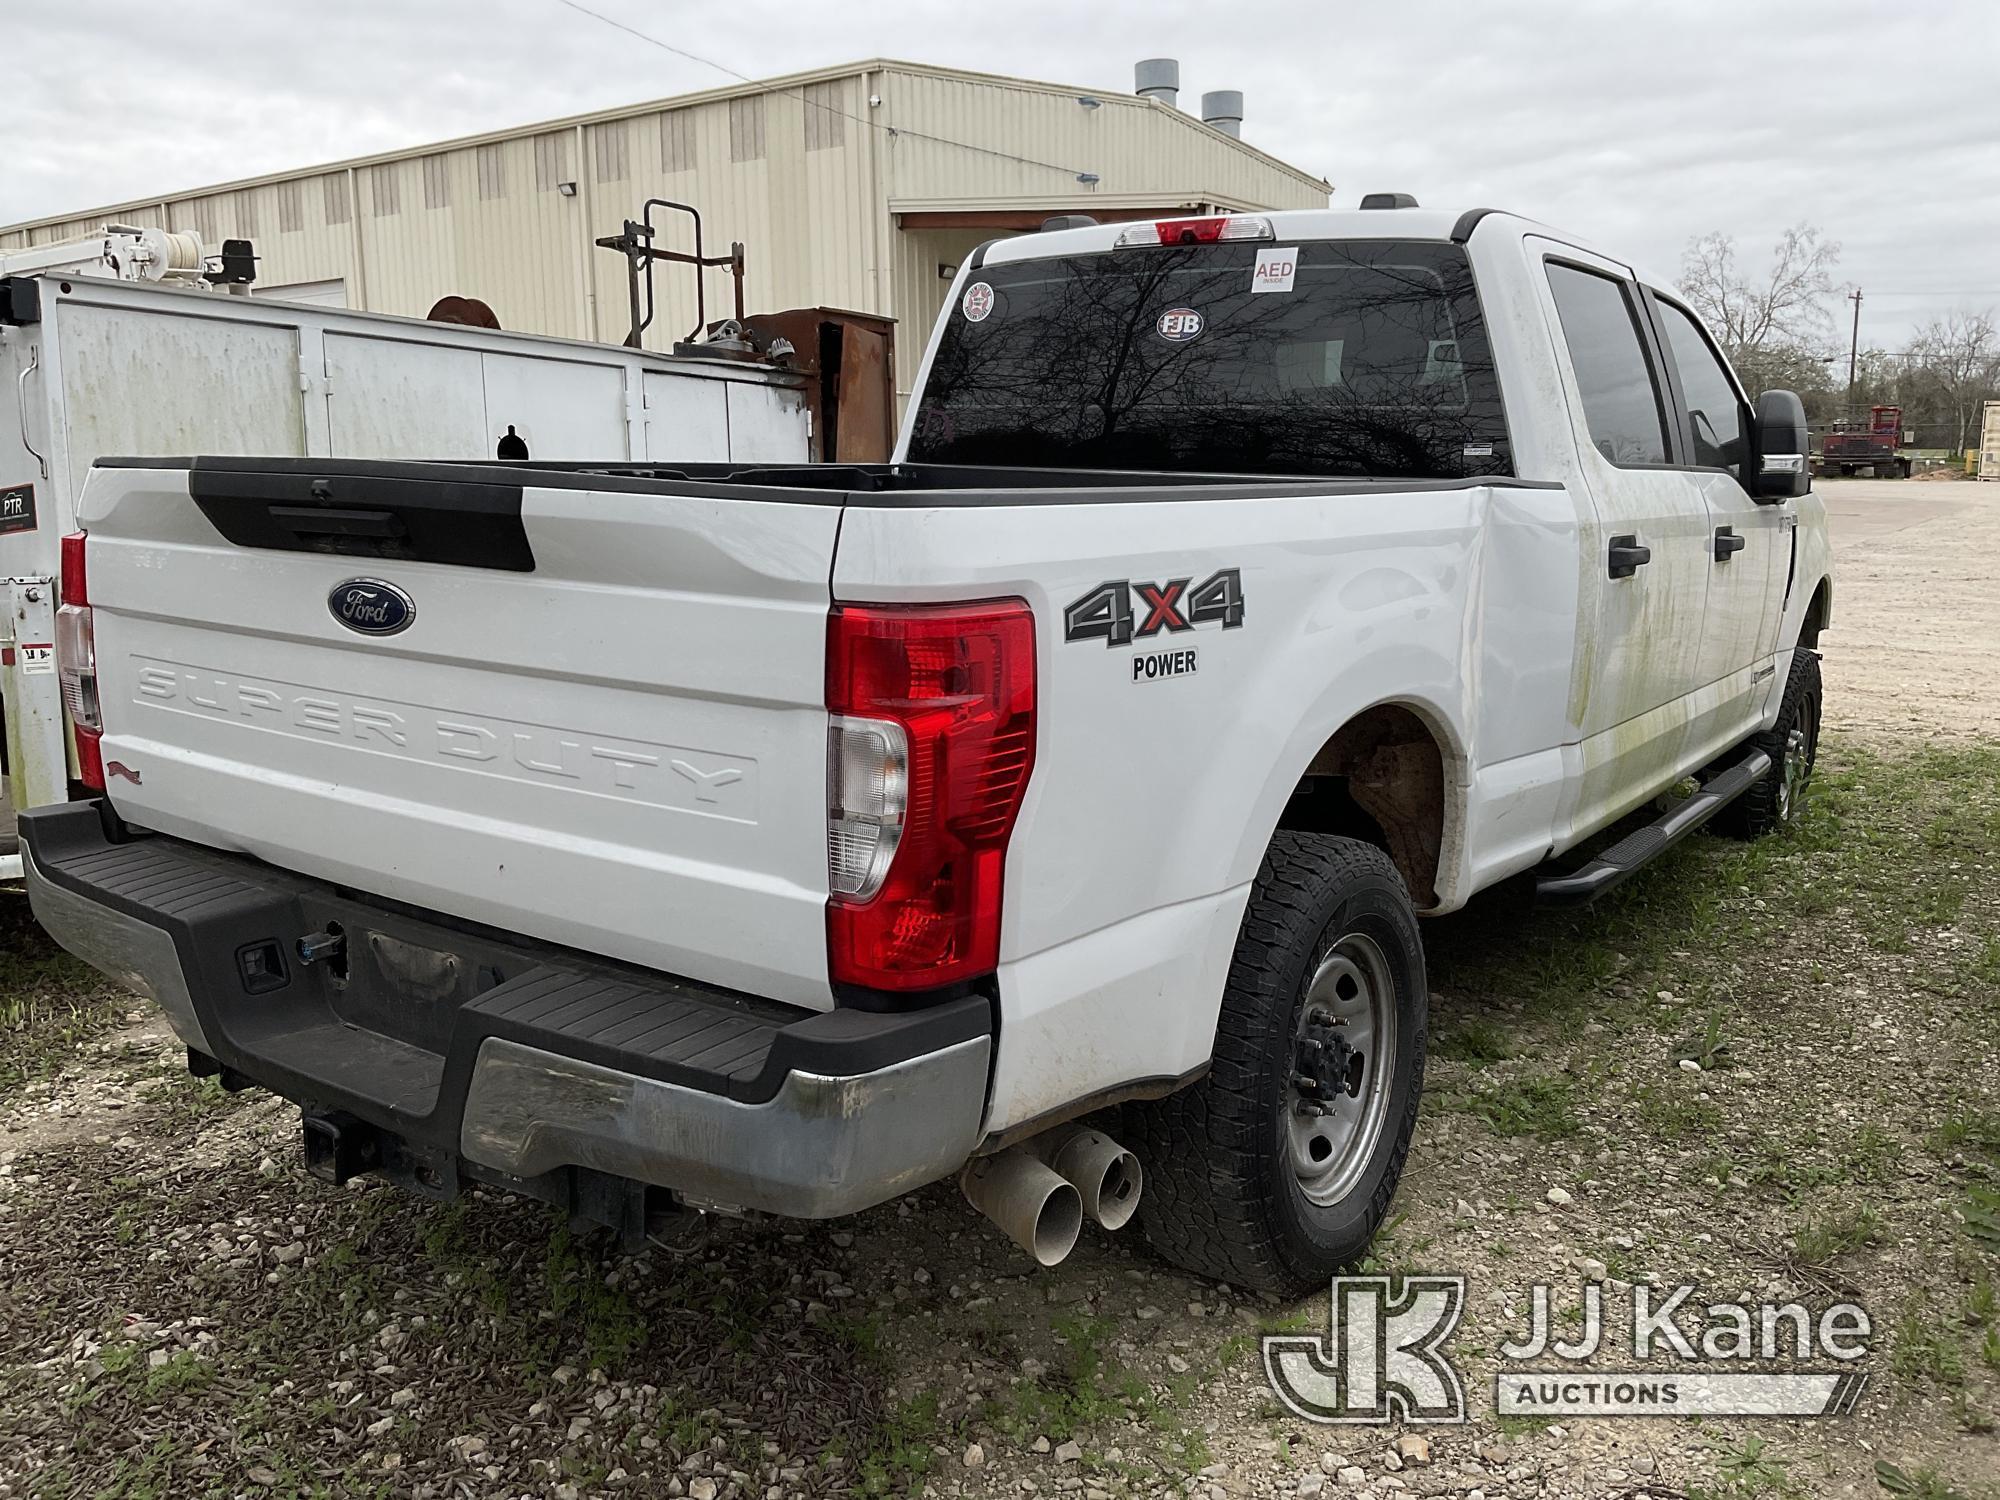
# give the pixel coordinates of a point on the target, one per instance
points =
(824, 1146)
(798, 1113)
(138, 956)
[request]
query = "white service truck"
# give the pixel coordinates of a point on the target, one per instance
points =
(1054, 806)
(120, 343)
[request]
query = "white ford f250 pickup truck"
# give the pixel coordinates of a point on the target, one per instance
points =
(786, 838)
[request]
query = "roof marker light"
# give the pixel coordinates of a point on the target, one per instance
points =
(1202, 231)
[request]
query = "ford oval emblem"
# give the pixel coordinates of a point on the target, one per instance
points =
(371, 606)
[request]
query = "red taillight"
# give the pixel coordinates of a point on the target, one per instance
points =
(76, 662)
(75, 580)
(932, 741)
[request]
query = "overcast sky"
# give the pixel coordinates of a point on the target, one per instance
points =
(1637, 125)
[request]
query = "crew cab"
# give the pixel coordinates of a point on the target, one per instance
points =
(1053, 806)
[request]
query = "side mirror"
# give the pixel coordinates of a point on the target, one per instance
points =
(1780, 458)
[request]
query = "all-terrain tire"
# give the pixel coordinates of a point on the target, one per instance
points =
(1223, 1198)
(1793, 745)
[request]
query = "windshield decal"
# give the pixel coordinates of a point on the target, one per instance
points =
(977, 302)
(1179, 324)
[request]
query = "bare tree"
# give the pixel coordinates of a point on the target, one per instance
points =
(1957, 357)
(1769, 325)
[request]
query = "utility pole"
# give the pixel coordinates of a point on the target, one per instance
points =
(1853, 347)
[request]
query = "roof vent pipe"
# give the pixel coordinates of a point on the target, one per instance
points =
(1158, 78)
(1224, 110)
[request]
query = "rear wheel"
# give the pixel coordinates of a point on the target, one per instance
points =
(1779, 800)
(1277, 1168)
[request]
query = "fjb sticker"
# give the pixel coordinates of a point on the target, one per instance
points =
(977, 302)
(1275, 271)
(1179, 324)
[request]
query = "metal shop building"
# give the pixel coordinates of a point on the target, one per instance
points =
(855, 187)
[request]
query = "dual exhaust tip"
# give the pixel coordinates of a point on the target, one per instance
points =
(1041, 1204)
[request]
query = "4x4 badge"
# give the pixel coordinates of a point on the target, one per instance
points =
(1107, 612)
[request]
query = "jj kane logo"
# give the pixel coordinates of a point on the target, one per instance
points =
(1383, 1357)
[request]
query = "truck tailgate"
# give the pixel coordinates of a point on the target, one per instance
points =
(600, 724)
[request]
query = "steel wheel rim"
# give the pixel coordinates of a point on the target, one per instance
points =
(1795, 773)
(1332, 1142)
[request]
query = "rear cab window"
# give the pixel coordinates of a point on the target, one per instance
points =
(1372, 362)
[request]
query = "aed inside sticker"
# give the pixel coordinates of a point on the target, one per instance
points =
(17, 507)
(1276, 270)
(1179, 324)
(977, 302)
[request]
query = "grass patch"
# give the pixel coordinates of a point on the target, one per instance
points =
(1921, 1349)
(901, 1456)
(1667, 1113)
(1891, 876)
(1474, 1040)
(1967, 1129)
(1982, 1215)
(1921, 1484)
(1542, 1105)
(1982, 1303)
(1823, 1241)
(1794, 1169)
(186, 1102)
(1709, 1049)
(1745, 1469)
(1083, 1389)
(50, 1004)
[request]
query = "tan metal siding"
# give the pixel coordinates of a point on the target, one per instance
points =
(920, 290)
(799, 211)
(802, 170)
(1132, 145)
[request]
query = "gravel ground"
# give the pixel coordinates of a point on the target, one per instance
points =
(1917, 608)
(1769, 1070)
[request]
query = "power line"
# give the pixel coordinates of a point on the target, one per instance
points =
(834, 109)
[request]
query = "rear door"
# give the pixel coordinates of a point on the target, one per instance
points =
(1750, 544)
(1643, 561)
(588, 710)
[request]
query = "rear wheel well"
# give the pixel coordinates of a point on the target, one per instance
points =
(1380, 779)
(1818, 615)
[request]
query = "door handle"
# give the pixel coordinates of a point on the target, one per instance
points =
(1727, 543)
(1628, 556)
